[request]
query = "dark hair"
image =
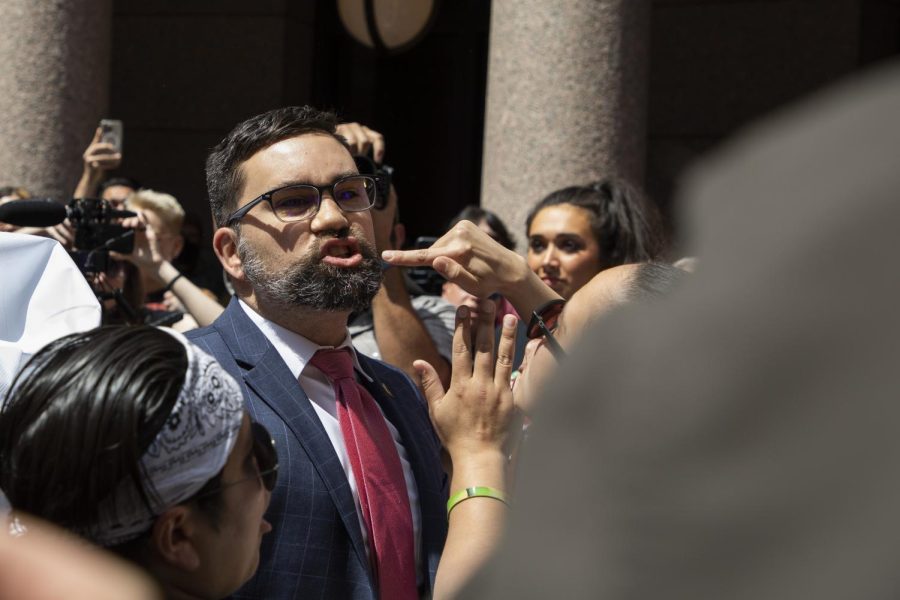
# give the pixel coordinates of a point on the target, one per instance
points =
(77, 420)
(476, 214)
(15, 190)
(626, 226)
(654, 280)
(224, 177)
(114, 181)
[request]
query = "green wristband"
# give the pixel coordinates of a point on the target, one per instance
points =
(476, 492)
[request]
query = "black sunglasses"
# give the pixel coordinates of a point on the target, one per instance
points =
(383, 176)
(543, 321)
(555, 348)
(266, 462)
(354, 193)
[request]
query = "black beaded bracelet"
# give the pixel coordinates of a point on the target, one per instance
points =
(171, 283)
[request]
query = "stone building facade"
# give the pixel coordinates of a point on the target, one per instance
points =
(500, 103)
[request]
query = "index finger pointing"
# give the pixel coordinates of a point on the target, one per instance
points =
(422, 257)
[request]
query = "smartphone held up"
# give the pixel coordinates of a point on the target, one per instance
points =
(111, 132)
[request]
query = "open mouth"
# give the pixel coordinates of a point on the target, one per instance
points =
(341, 252)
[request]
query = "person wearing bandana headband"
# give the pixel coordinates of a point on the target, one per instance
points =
(137, 441)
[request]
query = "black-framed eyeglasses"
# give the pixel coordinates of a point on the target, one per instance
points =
(266, 462)
(291, 203)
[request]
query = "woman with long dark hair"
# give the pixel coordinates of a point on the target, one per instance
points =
(578, 231)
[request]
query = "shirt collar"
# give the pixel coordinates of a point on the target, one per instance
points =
(296, 350)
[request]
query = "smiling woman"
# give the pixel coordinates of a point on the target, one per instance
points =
(576, 232)
(137, 441)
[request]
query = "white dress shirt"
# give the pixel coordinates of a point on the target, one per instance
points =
(297, 351)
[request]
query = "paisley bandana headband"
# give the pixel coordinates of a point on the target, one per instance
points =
(190, 449)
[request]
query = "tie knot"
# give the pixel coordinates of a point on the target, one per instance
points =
(335, 363)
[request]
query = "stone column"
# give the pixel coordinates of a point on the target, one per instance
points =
(566, 98)
(54, 80)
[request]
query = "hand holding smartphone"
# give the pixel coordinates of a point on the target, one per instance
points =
(111, 131)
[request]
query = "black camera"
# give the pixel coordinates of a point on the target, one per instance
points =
(97, 232)
(429, 281)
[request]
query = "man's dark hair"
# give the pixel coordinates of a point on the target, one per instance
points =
(114, 181)
(477, 214)
(79, 417)
(224, 176)
(626, 226)
(654, 280)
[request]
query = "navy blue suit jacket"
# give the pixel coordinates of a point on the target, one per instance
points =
(316, 547)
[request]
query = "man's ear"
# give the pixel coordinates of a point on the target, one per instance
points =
(175, 538)
(225, 246)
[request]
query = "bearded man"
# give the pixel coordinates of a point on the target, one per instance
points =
(358, 508)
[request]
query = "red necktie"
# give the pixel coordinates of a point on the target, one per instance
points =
(379, 477)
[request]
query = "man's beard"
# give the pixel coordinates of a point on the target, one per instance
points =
(312, 284)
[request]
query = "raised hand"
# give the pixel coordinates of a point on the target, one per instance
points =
(474, 416)
(361, 139)
(474, 419)
(100, 156)
(470, 258)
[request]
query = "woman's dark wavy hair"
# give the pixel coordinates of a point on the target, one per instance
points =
(77, 420)
(626, 226)
(476, 214)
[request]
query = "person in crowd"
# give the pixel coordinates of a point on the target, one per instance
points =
(295, 235)
(175, 291)
(487, 221)
(158, 242)
(169, 471)
(739, 439)
(196, 260)
(162, 218)
(606, 291)
(99, 158)
(116, 190)
(476, 420)
(400, 327)
(576, 232)
(469, 257)
(494, 227)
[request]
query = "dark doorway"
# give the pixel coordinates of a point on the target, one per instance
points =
(428, 102)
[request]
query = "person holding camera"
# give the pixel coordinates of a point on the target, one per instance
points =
(157, 242)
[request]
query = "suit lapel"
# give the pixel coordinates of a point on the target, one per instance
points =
(271, 380)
